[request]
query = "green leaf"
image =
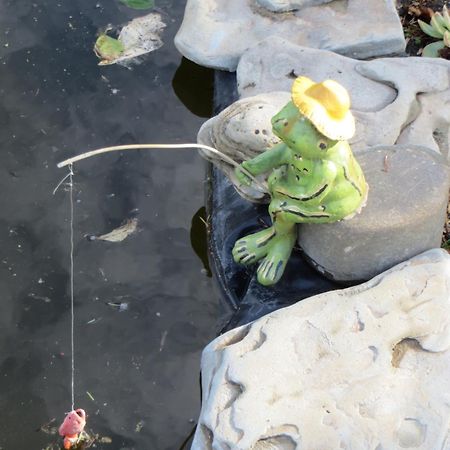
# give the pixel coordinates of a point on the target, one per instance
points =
(446, 245)
(139, 4)
(440, 20)
(432, 50)
(428, 29)
(108, 49)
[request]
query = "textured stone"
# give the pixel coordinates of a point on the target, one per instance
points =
(363, 368)
(394, 100)
(404, 216)
(215, 33)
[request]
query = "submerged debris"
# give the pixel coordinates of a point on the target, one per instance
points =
(118, 234)
(49, 427)
(121, 306)
(139, 426)
(140, 36)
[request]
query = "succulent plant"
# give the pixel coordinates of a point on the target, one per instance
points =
(439, 27)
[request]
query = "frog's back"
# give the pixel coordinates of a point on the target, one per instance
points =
(350, 187)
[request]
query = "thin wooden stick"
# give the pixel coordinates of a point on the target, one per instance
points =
(209, 149)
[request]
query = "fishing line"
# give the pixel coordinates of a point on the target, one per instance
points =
(70, 176)
(72, 314)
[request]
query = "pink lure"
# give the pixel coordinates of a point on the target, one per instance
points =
(72, 426)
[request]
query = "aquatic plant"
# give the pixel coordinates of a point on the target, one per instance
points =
(439, 27)
(139, 4)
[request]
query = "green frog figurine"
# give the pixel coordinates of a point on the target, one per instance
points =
(315, 177)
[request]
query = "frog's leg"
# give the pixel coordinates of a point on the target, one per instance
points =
(280, 247)
(253, 247)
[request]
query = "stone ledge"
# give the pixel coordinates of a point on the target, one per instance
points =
(359, 368)
(215, 33)
(404, 216)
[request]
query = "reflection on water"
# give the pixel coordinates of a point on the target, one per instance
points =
(136, 369)
(199, 241)
(193, 84)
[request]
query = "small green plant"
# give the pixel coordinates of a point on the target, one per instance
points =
(439, 27)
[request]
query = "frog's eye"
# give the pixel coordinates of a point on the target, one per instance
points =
(322, 145)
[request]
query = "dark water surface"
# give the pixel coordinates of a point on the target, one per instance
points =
(141, 365)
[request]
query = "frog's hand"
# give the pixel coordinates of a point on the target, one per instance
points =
(241, 175)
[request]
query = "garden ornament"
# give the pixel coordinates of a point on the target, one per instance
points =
(314, 176)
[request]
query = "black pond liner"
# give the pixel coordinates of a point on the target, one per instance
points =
(231, 218)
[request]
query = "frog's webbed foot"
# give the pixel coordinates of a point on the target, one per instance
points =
(253, 247)
(272, 266)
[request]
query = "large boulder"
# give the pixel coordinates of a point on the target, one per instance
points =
(404, 216)
(363, 368)
(215, 33)
(389, 104)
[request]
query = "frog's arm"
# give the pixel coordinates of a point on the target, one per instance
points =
(274, 157)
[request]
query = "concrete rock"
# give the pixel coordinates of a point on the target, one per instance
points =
(363, 368)
(404, 216)
(390, 105)
(215, 33)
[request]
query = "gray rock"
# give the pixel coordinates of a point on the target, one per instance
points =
(390, 105)
(363, 368)
(404, 216)
(215, 33)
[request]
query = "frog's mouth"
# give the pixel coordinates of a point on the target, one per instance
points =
(277, 124)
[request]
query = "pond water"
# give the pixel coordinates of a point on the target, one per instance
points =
(137, 366)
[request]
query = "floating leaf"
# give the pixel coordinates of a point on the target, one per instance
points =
(139, 4)
(108, 49)
(119, 234)
(432, 50)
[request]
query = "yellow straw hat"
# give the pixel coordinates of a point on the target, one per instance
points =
(326, 105)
